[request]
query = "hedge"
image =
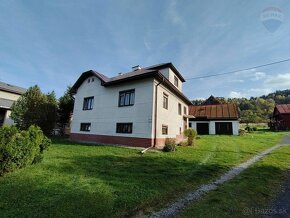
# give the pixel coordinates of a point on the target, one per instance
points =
(21, 148)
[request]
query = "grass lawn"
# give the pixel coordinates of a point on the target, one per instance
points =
(81, 180)
(250, 193)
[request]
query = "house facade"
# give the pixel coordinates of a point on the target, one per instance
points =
(139, 108)
(213, 117)
(8, 95)
(280, 119)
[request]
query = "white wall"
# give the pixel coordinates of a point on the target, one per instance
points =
(106, 112)
(8, 95)
(7, 119)
(169, 74)
(170, 116)
(212, 131)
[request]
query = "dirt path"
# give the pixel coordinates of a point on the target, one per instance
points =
(174, 209)
(281, 206)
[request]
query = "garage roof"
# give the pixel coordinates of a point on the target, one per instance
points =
(219, 111)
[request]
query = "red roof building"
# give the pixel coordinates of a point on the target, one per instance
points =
(280, 119)
(213, 117)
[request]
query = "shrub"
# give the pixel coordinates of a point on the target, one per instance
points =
(242, 132)
(249, 129)
(191, 136)
(21, 148)
(255, 128)
(170, 145)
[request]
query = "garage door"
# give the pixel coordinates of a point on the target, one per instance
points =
(202, 128)
(225, 128)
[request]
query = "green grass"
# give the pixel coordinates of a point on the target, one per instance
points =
(250, 193)
(81, 180)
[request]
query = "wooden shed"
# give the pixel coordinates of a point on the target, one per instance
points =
(280, 119)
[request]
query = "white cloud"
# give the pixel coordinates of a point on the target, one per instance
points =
(234, 94)
(259, 76)
(279, 80)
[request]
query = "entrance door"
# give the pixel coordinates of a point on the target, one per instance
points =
(202, 128)
(224, 128)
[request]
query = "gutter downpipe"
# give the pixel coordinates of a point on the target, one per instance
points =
(155, 112)
(155, 118)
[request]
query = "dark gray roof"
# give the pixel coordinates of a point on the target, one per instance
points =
(152, 71)
(11, 88)
(5, 103)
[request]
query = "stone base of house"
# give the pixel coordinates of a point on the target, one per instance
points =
(121, 140)
(115, 140)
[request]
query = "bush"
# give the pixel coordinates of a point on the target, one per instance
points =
(242, 132)
(249, 129)
(255, 128)
(21, 148)
(191, 136)
(170, 145)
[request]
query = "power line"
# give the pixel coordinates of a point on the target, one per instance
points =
(236, 71)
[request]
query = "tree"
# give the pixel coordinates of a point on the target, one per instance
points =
(65, 108)
(35, 108)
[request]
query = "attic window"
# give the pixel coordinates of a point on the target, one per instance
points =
(175, 81)
(89, 80)
(93, 79)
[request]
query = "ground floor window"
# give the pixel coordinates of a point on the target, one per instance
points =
(124, 127)
(164, 130)
(86, 127)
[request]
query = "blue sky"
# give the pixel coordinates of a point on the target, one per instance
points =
(50, 43)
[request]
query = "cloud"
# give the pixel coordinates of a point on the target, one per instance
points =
(279, 80)
(258, 76)
(234, 94)
(174, 15)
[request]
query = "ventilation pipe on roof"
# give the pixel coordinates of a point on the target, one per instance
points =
(137, 67)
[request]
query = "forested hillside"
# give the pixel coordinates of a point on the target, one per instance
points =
(256, 109)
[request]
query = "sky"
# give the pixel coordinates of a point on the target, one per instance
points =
(50, 43)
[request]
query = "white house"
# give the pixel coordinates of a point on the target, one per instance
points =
(213, 117)
(8, 94)
(139, 108)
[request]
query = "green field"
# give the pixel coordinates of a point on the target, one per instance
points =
(82, 180)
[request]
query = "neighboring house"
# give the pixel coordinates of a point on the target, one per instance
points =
(213, 117)
(8, 94)
(139, 108)
(281, 117)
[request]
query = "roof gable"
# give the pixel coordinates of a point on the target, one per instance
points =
(211, 101)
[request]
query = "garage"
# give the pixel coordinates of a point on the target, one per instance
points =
(224, 128)
(202, 128)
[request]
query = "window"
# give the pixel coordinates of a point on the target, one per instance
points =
(89, 80)
(93, 79)
(88, 103)
(179, 108)
(127, 98)
(85, 127)
(175, 81)
(164, 130)
(124, 128)
(184, 110)
(165, 101)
